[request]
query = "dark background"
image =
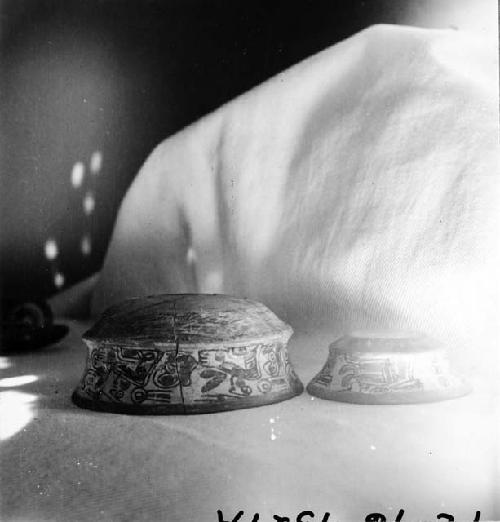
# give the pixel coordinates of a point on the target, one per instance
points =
(119, 76)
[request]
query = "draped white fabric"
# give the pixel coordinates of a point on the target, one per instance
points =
(357, 189)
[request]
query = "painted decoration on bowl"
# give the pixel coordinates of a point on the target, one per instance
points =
(386, 370)
(225, 354)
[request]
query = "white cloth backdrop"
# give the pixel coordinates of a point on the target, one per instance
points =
(357, 189)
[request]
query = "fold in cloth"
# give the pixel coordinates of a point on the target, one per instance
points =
(357, 189)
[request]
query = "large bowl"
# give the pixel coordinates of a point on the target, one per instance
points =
(186, 353)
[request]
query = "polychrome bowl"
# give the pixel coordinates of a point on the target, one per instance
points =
(387, 368)
(186, 353)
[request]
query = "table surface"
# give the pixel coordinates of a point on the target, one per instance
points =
(59, 462)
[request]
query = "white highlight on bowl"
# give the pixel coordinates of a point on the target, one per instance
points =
(77, 174)
(96, 162)
(59, 280)
(86, 245)
(51, 250)
(88, 203)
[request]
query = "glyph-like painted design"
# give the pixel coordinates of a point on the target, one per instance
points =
(358, 371)
(203, 360)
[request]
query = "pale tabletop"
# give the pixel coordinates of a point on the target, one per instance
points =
(59, 462)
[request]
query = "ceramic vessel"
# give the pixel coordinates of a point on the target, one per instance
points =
(386, 368)
(186, 354)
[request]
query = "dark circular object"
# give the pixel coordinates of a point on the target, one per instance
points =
(18, 340)
(33, 315)
(28, 326)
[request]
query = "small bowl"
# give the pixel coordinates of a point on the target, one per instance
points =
(387, 368)
(186, 353)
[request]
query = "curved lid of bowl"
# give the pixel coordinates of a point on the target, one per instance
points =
(166, 319)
